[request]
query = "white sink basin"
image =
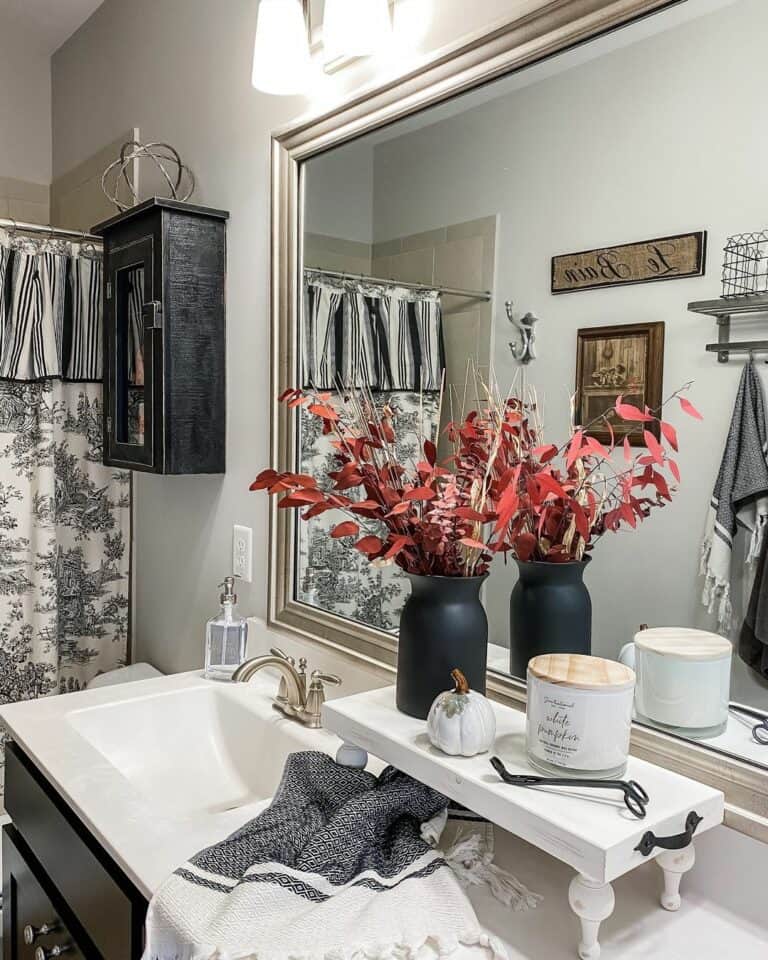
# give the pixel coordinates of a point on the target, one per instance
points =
(200, 750)
(159, 769)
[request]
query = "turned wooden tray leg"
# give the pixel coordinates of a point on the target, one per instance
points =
(592, 902)
(674, 863)
(348, 755)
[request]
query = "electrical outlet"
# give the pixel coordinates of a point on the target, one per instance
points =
(242, 553)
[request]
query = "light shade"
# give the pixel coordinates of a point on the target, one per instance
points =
(281, 60)
(355, 28)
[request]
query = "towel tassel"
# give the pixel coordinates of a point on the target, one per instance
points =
(472, 862)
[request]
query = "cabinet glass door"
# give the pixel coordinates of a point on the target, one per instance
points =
(134, 350)
(129, 294)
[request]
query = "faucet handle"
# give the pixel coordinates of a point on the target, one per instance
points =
(318, 677)
(312, 716)
(277, 652)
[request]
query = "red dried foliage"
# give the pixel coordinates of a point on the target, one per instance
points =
(502, 491)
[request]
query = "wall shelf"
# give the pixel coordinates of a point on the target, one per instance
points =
(723, 309)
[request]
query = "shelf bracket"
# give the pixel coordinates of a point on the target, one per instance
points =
(723, 336)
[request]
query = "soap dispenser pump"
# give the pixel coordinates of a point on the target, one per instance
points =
(225, 636)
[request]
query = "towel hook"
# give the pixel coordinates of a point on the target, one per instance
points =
(524, 351)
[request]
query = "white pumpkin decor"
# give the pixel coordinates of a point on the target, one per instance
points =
(461, 722)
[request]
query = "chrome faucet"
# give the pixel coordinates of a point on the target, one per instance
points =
(293, 699)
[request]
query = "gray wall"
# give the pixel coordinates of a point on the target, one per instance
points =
(25, 108)
(615, 150)
(180, 71)
(339, 193)
(25, 126)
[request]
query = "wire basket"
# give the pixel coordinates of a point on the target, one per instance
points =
(745, 266)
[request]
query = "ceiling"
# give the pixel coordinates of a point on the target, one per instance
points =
(47, 23)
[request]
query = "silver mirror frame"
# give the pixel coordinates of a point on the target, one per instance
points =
(543, 28)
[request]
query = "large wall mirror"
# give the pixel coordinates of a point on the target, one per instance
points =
(649, 135)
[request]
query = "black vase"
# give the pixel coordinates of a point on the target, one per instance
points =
(443, 626)
(550, 611)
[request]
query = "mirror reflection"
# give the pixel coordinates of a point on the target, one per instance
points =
(560, 238)
(130, 359)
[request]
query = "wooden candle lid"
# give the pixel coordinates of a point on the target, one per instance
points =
(578, 670)
(684, 643)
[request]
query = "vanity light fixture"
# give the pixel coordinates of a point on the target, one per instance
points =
(286, 39)
(355, 28)
(281, 58)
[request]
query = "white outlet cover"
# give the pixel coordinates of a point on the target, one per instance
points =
(242, 553)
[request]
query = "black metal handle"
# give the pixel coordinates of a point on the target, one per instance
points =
(650, 841)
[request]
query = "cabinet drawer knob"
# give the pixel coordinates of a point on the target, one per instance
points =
(42, 954)
(32, 933)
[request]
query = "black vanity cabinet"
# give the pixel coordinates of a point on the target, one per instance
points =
(63, 895)
(165, 338)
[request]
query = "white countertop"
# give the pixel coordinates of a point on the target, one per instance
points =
(715, 919)
(722, 915)
(148, 840)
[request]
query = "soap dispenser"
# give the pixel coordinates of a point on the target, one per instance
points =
(225, 637)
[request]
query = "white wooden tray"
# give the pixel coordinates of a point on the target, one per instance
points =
(592, 831)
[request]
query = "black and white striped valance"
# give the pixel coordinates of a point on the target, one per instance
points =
(362, 334)
(50, 311)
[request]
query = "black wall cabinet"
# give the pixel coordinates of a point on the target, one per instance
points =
(165, 338)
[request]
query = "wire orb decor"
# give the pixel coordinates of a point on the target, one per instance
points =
(115, 180)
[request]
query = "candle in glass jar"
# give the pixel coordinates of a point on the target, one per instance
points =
(579, 715)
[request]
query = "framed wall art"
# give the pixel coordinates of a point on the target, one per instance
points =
(666, 258)
(626, 360)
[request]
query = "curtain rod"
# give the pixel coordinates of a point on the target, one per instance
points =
(485, 295)
(50, 231)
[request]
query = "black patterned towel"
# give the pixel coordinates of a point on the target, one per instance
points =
(740, 497)
(335, 868)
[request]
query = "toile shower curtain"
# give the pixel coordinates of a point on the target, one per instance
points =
(387, 340)
(64, 516)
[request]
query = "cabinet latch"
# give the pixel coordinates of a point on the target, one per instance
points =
(109, 289)
(152, 313)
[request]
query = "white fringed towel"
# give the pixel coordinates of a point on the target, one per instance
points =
(336, 868)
